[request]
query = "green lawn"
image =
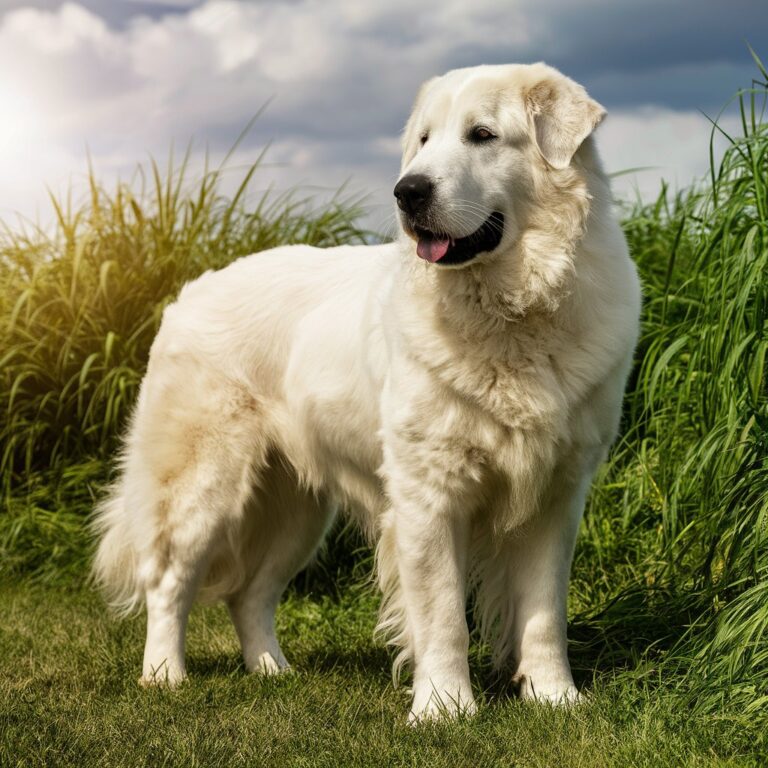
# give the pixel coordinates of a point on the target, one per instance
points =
(69, 696)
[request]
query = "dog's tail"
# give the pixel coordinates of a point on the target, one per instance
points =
(115, 567)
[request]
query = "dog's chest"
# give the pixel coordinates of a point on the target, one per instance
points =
(495, 420)
(518, 383)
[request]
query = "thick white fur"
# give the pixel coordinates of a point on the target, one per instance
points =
(458, 413)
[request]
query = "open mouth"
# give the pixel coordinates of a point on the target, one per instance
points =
(443, 249)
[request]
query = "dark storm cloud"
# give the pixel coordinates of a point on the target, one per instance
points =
(683, 55)
(636, 36)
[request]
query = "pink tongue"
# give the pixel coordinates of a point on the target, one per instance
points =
(432, 249)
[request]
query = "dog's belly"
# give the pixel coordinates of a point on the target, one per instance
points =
(296, 329)
(327, 406)
(330, 434)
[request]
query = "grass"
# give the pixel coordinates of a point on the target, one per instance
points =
(669, 599)
(687, 487)
(79, 309)
(68, 696)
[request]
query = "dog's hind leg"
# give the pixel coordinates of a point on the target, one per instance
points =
(169, 594)
(188, 474)
(198, 511)
(289, 523)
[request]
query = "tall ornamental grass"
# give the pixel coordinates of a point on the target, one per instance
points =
(79, 309)
(672, 572)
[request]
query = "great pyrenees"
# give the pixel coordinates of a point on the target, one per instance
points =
(454, 390)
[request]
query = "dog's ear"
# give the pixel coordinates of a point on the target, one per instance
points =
(563, 116)
(411, 138)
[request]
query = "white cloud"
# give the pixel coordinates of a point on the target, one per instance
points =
(668, 145)
(49, 33)
(343, 74)
(167, 3)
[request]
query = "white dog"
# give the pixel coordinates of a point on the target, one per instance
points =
(454, 390)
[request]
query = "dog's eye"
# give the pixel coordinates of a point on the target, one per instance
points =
(480, 134)
(424, 138)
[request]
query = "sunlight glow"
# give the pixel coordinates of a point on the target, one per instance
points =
(20, 121)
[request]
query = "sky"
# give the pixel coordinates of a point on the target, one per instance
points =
(122, 80)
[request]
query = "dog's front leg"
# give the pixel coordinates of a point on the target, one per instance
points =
(431, 552)
(539, 559)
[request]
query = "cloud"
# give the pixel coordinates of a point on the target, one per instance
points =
(165, 4)
(668, 145)
(127, 79)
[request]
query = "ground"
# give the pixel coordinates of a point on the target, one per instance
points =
(69, 695)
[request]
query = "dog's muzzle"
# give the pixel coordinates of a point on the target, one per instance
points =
(415, 194)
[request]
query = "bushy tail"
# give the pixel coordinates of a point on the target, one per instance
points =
(115, 567)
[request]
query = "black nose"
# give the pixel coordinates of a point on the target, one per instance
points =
(413, 192)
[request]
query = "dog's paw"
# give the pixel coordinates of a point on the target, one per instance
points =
(432, 704)
(555, 692)
(568, 697)
(266, 664)
(162, 676)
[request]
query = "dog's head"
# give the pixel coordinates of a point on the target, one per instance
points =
(475, 150)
